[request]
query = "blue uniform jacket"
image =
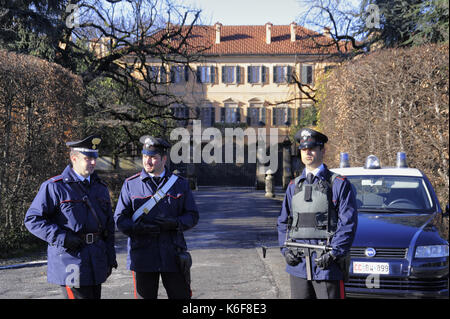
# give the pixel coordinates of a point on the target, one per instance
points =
(345, 204)
(57, 209)
(155, 252)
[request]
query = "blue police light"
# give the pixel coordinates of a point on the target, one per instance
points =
(401, 160)
(372, 162)
(344, 162)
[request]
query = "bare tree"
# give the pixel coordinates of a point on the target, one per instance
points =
(117, 40)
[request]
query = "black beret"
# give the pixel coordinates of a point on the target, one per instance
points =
(308, 138)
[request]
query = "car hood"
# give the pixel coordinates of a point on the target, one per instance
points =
(389, 230)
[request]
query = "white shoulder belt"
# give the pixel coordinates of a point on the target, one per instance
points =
(160, 194)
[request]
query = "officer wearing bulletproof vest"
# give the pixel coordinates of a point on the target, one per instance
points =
(72, 213)
(319, 208)
(156, 245)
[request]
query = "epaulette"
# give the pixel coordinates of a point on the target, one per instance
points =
(103, 183)
(56, 178)
(133, 177)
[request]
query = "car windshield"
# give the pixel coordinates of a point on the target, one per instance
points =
(391, 193)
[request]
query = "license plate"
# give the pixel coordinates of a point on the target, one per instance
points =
(361, 267)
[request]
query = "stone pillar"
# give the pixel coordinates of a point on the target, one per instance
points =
(269, 184)
(260, 178)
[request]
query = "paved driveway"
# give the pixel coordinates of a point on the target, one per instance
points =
(225, 248)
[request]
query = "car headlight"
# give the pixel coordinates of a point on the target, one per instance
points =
(431, 251)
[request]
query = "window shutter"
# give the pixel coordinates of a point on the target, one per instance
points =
(274, 116)
(238, 74)
(249, 74)
(275, 71)
(264, 74)
(213, 74)
(199, 74)
(289, 78)
(213, 115)
(222, 114)
(289, 116)
(304, 74)
(224, 79)
(186, 73)
(263, 115)
(307, 74)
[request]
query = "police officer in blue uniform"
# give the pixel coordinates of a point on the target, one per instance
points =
(156, 245)
(319, 208)
(72, 213)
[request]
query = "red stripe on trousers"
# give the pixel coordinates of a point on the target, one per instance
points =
(134, 284)
(342, 289)
(70, 293)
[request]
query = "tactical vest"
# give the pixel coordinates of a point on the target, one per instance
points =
(313, 213)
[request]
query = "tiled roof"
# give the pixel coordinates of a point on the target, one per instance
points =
(251, 40)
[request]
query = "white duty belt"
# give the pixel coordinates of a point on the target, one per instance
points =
(160, 194)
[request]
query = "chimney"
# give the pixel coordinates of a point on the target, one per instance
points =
(327, 31)
(293, 26)
(218, 27)
(269, 32)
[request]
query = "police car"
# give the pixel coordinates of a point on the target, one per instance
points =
(399, 250)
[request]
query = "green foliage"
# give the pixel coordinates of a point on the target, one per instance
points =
(432, 22)
(308, 118)
(407, 22)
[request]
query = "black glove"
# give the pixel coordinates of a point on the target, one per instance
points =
(292, 259)
(166, 223)
(145, 229)
(325, 260)
(72, 241)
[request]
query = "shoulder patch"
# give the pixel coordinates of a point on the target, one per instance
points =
(291, 182)
(343, 178)
(56, 178)
(133, 177)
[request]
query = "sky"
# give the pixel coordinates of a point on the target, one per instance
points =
(247, 12)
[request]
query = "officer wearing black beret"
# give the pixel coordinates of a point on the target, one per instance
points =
(72, 212)
(154, 208)
(319, 208)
